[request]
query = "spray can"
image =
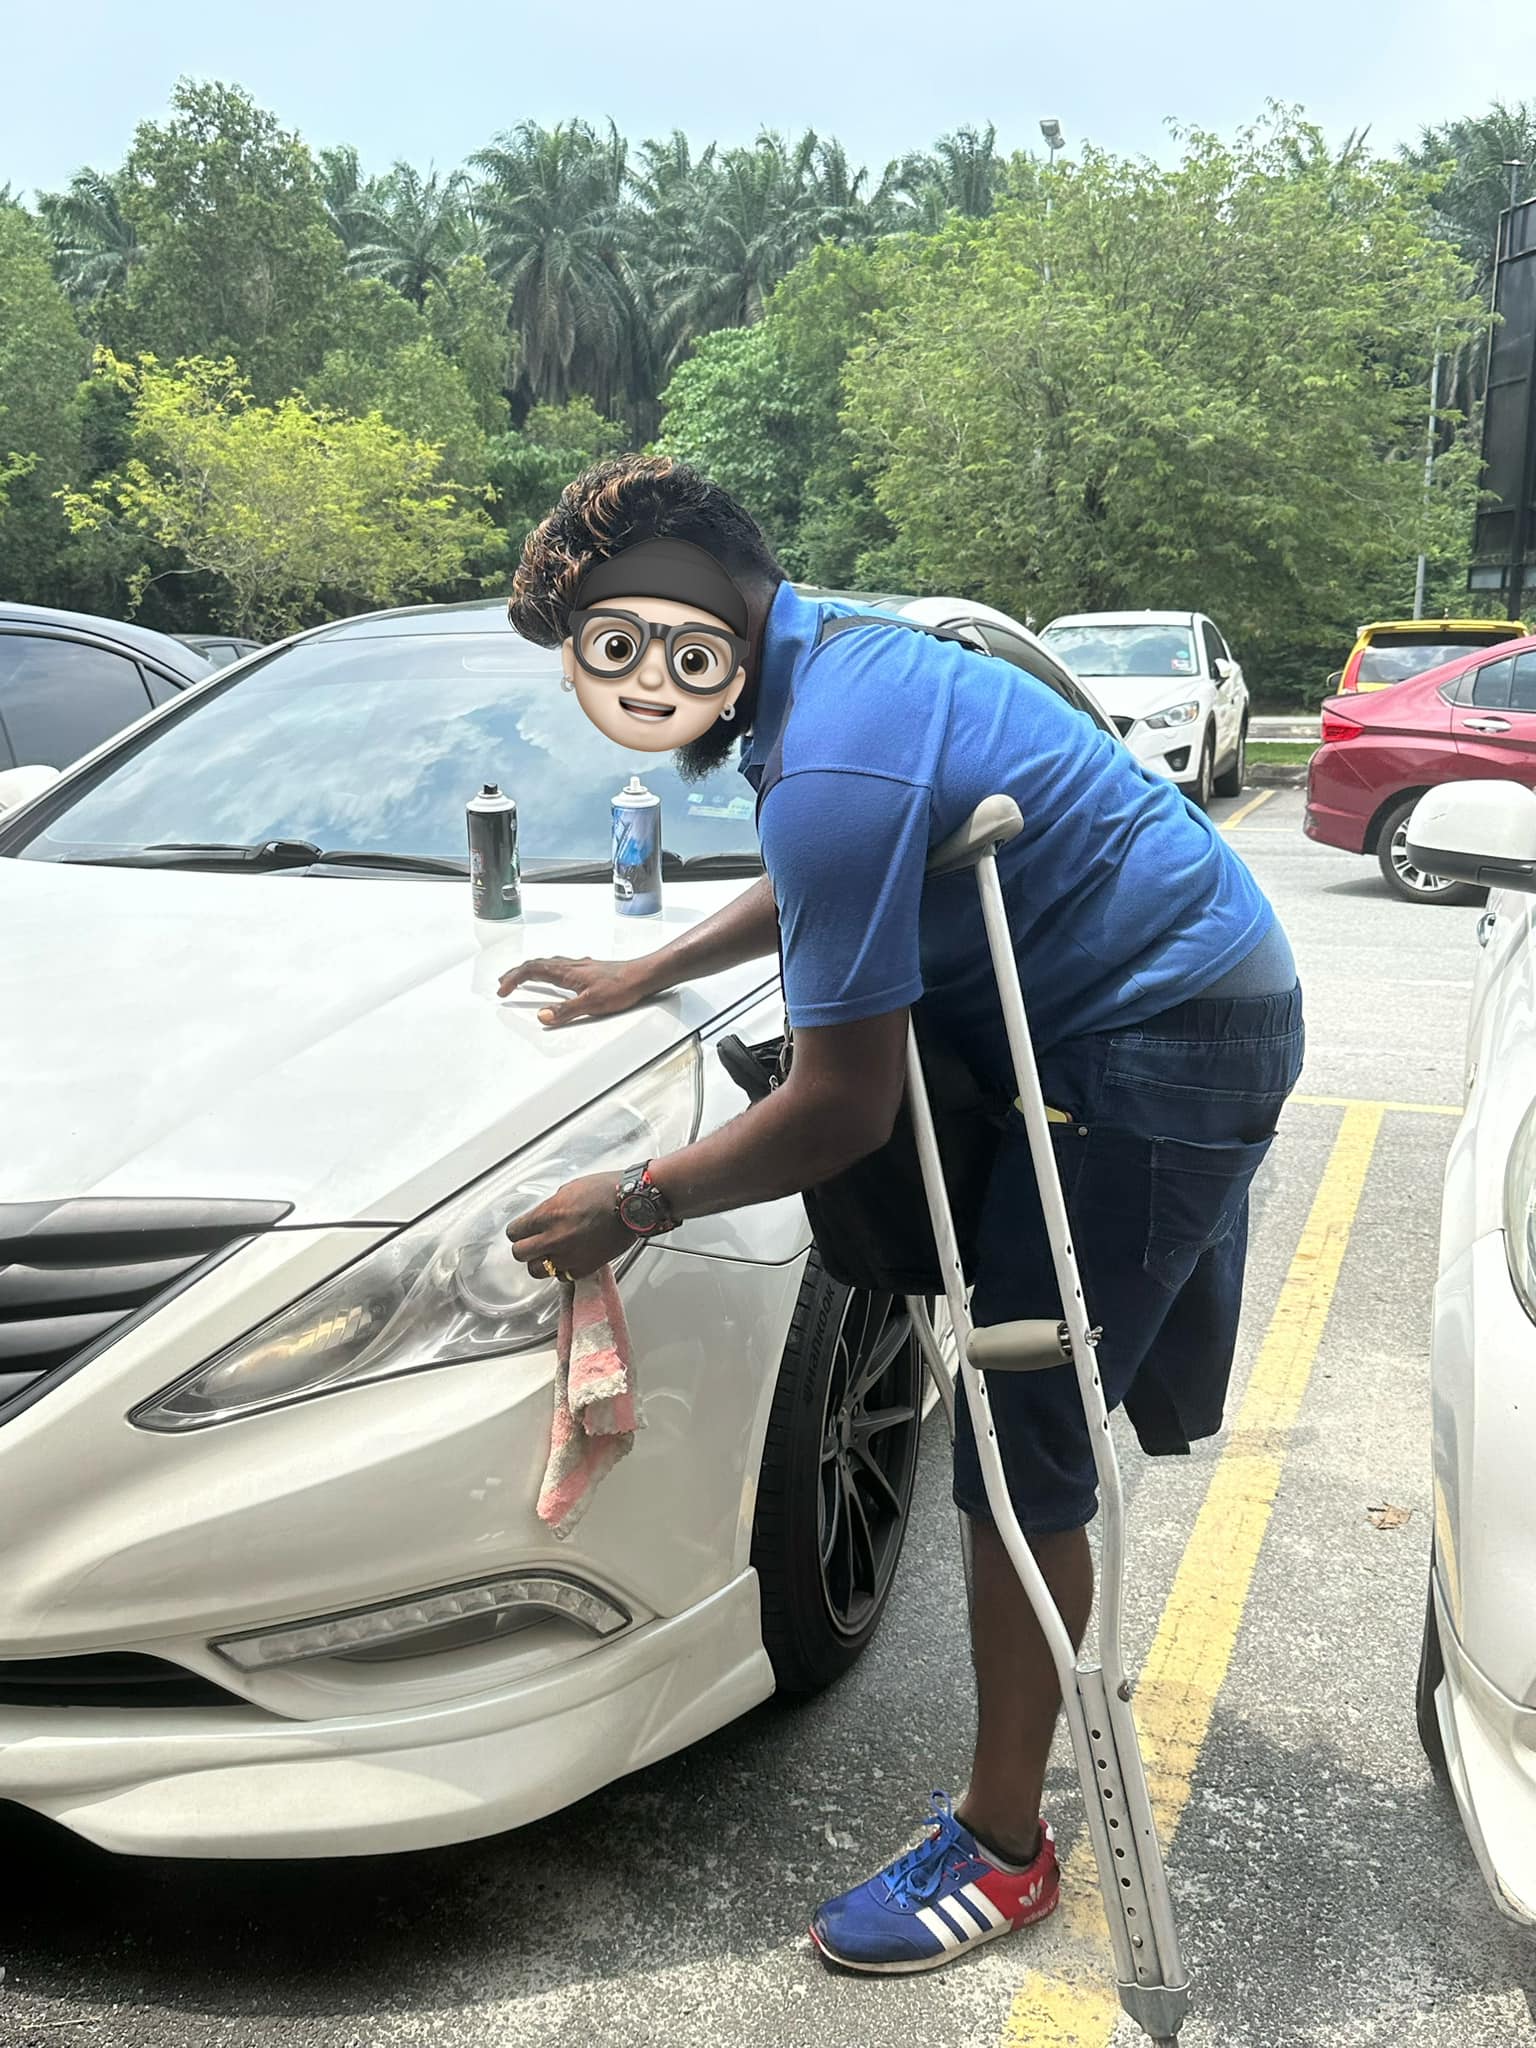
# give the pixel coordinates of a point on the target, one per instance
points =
(495, 877)
(636, 851)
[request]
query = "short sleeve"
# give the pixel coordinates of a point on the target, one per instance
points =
(846, 853)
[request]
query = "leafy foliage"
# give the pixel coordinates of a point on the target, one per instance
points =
(42, 360)
(296, 510)
(239, 257)
(1199, 387)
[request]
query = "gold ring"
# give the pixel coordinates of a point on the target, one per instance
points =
(549, 1267)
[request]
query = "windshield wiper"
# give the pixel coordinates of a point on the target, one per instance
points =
(404, 863)
(270, 855)
(192, 853)
(572, 871)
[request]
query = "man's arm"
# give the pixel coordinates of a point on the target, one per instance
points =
(839, 1104)
(746, 929)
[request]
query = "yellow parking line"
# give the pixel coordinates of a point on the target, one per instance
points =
(1188, 1661)
(1359, 1102)
(1230, 823)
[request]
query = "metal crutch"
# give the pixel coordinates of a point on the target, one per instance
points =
(1153, 1985)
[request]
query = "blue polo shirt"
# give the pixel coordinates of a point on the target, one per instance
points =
(1122, 897)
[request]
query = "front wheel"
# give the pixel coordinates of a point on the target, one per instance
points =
(1401, 875)
(1231, 779)
(1205, 781)
(836, 1481)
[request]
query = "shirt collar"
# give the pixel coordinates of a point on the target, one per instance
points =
(789, 634)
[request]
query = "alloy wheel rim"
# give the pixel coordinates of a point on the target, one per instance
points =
(1411, 876)
(869, 1437)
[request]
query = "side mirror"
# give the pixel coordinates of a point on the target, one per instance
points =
(1221, 669)
(1332, 685)
(1478, 832)
(18, 786)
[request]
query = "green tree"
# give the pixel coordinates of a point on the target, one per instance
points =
(468, 316)
(530, 469)
(297, 512)
(42, 361)
(1199, 386)
(95, 244)
(757, 408)
(552, 201)
(239, 256)
(412, 230)
(417, 390)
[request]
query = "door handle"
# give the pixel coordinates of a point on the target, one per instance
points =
(1486, 724)
(1485, 925)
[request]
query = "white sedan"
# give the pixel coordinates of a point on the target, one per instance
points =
(1476, 1697)
(1173, 688)
(274, 1396)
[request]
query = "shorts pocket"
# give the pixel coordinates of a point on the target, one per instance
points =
(1199, 1195)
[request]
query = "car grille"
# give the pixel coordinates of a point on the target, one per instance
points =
(113, 1678)
(71, 1273)
(1123, 726)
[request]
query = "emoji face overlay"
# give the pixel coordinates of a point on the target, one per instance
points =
(651, 673)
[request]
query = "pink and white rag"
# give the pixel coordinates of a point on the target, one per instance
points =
(595, 1416)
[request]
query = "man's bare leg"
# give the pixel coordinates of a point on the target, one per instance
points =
(1018, 1697)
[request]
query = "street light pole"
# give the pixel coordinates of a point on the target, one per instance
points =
(1054, 140)
(1429, 475)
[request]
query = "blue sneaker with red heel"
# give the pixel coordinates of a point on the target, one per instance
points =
(936, 1902)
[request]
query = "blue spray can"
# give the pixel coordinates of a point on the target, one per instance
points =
(636, 851)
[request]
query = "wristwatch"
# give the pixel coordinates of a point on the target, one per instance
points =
(640, 1204)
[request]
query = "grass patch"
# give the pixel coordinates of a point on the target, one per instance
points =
(1284, 751)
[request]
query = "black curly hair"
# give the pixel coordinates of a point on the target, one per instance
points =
(613, 505)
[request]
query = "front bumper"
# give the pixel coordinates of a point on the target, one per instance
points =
(1490, 1750)
(120, 1539)
(1175, 754)
(240, 1782)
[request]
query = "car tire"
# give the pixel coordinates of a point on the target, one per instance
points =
(1399, 873)
(835, 1487)
(1205, 780)
(1431, 1671)
(1232, 778)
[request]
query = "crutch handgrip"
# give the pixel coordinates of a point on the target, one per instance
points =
(995, 820)
(1019, 1347)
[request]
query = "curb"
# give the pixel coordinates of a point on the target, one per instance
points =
(1276, 774)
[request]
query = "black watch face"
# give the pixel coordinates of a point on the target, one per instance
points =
(643, 1208)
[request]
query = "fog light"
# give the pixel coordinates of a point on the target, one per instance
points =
(1178, 760)
(403, 1625)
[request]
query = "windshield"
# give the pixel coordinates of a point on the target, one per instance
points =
(1099, 650)
(377, 745)
(1395, 660)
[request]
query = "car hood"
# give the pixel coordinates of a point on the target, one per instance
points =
(1136, 696)
(327, 1041)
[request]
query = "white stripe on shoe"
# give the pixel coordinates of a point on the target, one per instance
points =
(939, 1928)
(967, 1924)
(975, 1896)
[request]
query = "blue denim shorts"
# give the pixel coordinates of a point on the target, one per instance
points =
(1168, 1122)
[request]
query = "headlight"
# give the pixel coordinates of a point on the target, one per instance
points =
(1520, 1212)
(446, 1288)
(1176, 714)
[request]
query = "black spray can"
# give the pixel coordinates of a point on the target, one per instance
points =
(495, 878)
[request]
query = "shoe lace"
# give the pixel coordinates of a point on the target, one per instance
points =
(919, 1873)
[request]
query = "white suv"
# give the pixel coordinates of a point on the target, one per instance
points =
(1172, 686)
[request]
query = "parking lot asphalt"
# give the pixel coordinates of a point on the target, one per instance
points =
(1323, 1887)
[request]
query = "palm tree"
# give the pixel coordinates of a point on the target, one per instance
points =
(757, 212)
(95, 245)
(557, 238)
(344, 193)
(410, 230)
(961, 174)
(1476, 158)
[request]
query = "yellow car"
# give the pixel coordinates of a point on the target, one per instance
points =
(1392, 650)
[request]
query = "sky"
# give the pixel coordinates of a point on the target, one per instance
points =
(430, 83)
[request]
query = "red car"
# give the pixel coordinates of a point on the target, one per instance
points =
(1475, 716)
